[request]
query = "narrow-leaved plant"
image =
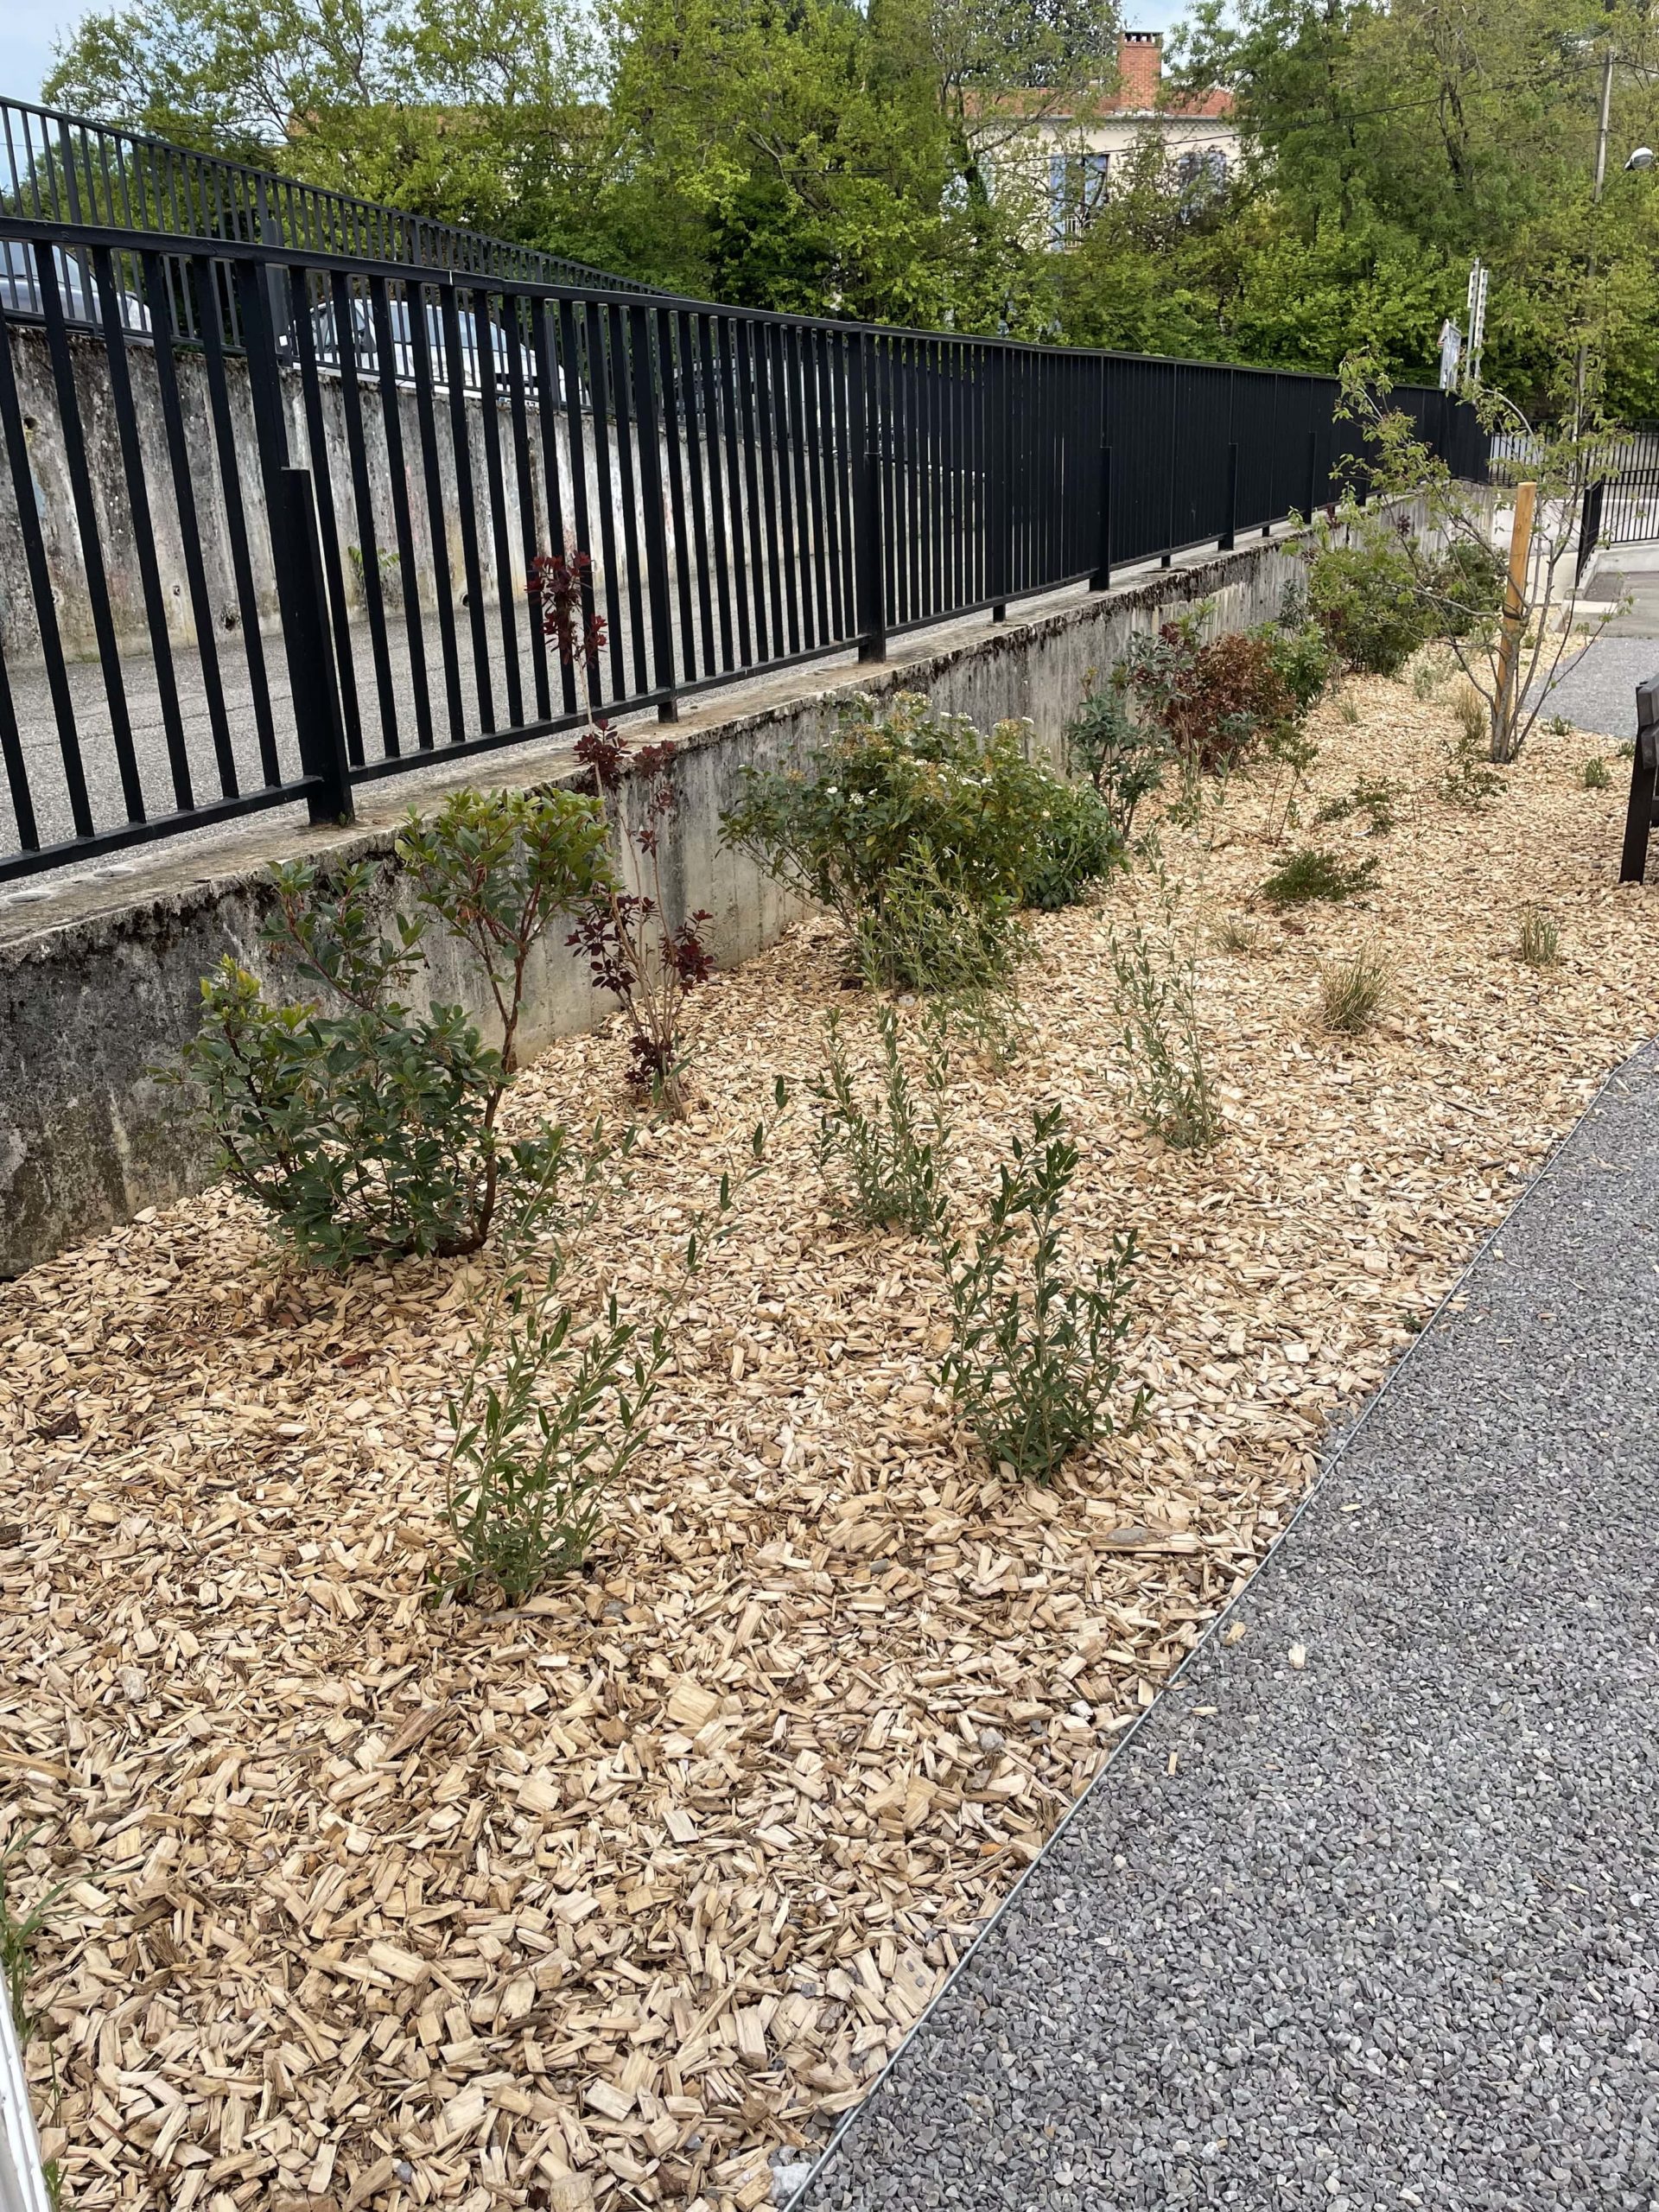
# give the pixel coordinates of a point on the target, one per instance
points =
(1034, 1362)
(888, 1156)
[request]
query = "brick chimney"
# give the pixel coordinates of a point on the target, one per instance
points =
(1140, 69)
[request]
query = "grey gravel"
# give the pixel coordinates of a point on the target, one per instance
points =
(1598, 690)
(1387, 1935)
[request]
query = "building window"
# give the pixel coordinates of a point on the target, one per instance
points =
(1076, 190)
(1204, 170)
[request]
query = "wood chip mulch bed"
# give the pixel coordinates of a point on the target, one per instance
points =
(599, 1903)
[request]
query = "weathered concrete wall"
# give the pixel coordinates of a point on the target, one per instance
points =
(100, 990)
(66, 551)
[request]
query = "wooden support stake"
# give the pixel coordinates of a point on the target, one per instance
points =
(1514, 604)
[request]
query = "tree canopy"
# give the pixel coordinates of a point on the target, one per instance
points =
(849, 156)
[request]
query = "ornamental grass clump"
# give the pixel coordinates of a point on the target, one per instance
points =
(363, 1126)
(1352, 992)
(1033, 1362)
(1539, 942)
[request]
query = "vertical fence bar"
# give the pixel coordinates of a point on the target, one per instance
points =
(1102, 578)
(571, 358)
(1229, 526)
(627, 430)
(305, 624)
(676, 385)
(867, 503)
(551, 367)
(734, 445)
(656, 533)
(143, 529)
(600, 376)
(461, 453)
(437, 515)
(11, 754)
(305, 340)
(158, 295)
(91, 549)
(747, 442)
(391, 423)
(513, 321)
(368, 543)
(699, 400)
(489, 413)
(999, 463)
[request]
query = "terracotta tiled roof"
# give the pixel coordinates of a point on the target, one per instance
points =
(1140, 76)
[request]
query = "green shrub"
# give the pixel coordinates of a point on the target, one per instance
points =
(1465, 589)
(1364, 596)
(888, 789)
(1596, 777)
(1076, 846)
(1302, 658)
(1469, 779)
(1169, 1082)
(1123, 758)
(554, 1405)
(363, 1127)
(1374, 796)
(1214, 700)
(924, 935)
(1310, 874)
(1033, 1361)
(890, 1157)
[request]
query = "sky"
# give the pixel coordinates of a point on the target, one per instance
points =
(28, 27)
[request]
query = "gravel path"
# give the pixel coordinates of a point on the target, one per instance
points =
(1598, 691)
(1382, 1928)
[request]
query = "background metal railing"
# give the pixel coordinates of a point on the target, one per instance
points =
(58, 167)
(273, 511)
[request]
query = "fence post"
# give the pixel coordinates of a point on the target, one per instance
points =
(1313, 474)
(310, 661)
(650, 495)
(1639, 814)
(1589, 528)
(1102, 579)
(867, 494)
(1229, 533)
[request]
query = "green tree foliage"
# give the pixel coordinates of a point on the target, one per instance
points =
(1392, 143)
(815, 156)
(862, 157)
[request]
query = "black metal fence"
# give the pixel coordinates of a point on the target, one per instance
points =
(57, 167)
(273, 512)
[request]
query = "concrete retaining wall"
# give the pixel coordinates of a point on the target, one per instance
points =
(99, 990)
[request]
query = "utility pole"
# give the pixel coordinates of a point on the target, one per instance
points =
(1581, 364)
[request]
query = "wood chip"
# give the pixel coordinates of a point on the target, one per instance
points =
(378, 1903)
